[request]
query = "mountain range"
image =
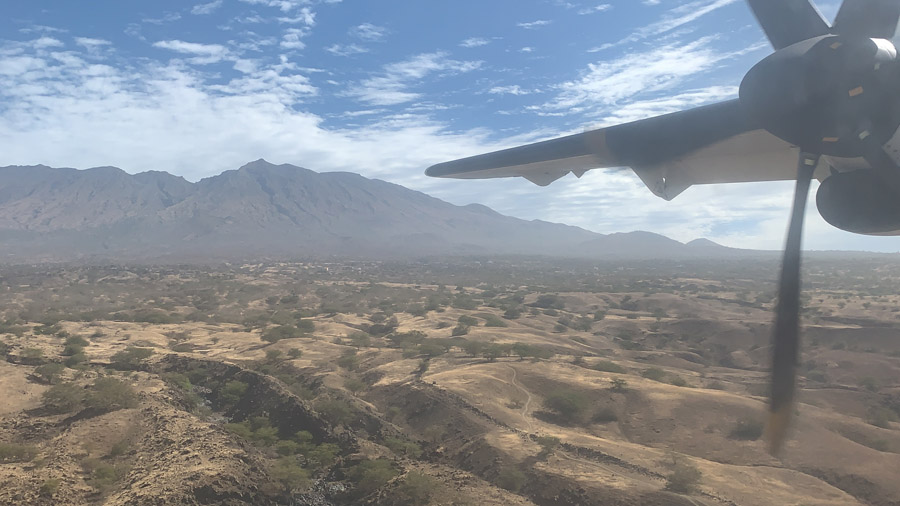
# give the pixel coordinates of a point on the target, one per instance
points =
(268, 211)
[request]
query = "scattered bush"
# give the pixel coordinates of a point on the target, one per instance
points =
(460, 330)
(618, 385)
(12, 452)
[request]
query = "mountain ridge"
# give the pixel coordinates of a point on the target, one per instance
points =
(272, 211)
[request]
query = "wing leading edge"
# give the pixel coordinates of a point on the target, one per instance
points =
(710, 144)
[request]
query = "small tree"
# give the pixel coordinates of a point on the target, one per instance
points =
(684, 479)
(63, 398)
(570, 406)
(110, 394)
(618, 385)
(130, 358)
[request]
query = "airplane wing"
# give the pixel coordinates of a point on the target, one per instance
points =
(711, 144)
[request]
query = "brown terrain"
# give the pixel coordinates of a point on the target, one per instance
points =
(501, 381)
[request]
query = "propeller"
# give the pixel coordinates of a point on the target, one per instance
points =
(786, 338)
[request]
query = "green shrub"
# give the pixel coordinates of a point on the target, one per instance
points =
(354, 385)
(75, 360)
(684, 479)
(547, 443)
(511, 479)
(233, 392)
(403, 447)
(370, 475)
(49, 487)
(49, 373)
(275, 334)
(295, 353)
(130, 358)
(468, 321)
(416, 489)
(460, 330)
(12, 452)
(290, 474)
(570, 406)
(618, 385)
(747, 430)
(110, 394)
(654, 374)
(287, 447)
(607, 366)
(63, 398)
(336, 411)
(349, 360)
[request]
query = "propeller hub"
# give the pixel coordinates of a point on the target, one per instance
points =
(822, 94)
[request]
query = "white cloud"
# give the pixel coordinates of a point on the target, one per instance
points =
(390, 87)
(89, 43)
(526, 49)
(369, 32)
(305, 17)
(168, 17)
(534, 24)
(595, 9)
(509, 90)
(291, 38)
(207, 8)
(475, 42)
(346, 49)
(203, 53)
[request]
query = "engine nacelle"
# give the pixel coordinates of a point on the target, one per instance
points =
(859, 202)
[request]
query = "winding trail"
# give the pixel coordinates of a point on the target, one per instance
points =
(528, 398)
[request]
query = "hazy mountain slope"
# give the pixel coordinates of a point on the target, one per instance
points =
(269, 210)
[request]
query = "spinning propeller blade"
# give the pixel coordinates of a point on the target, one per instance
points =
(786, 338)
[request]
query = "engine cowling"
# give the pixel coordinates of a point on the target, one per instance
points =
(859, 202)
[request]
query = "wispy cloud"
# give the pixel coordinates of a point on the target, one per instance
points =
(674, 18)
(392, 85)
(595, 9)
(530, 25)
(91, 43)
(203, 53)
(609, 82)
(369, 32)
(208, 8)
(475, 42)
(346, 49)
(509, 90)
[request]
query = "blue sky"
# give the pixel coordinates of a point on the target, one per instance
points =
(387, 88)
